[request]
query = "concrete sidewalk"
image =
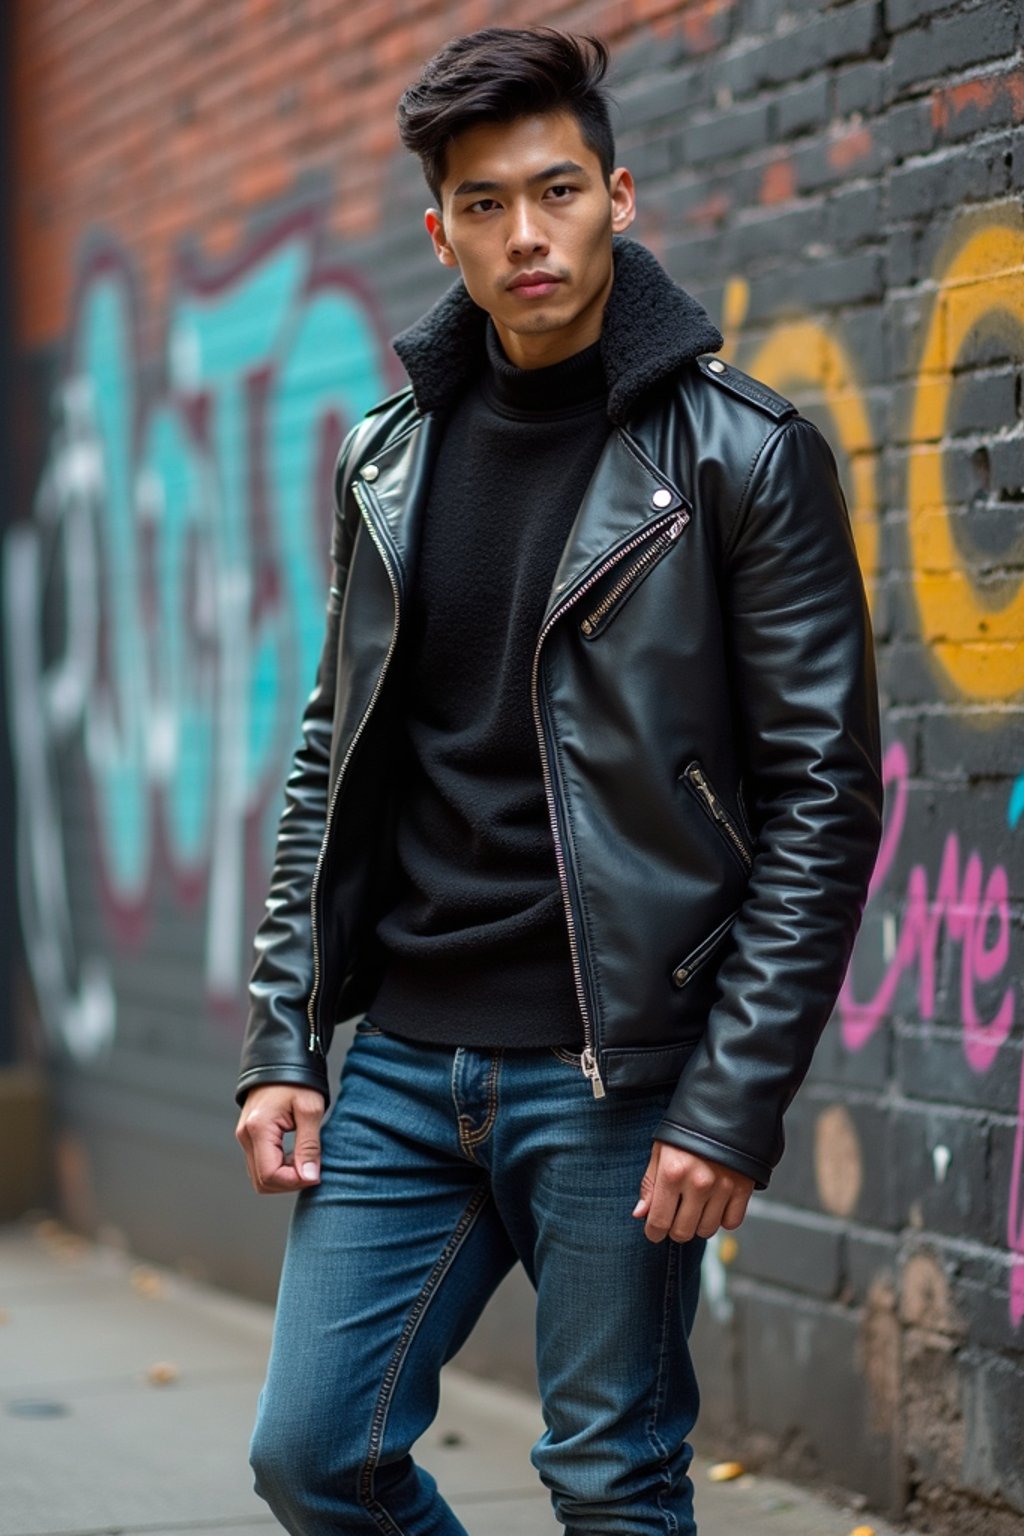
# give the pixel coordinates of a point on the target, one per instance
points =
(127, 1395)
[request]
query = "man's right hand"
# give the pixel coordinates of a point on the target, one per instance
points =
(268, 1113)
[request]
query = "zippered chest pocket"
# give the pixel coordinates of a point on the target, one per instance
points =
(605, 600)
(696, 780)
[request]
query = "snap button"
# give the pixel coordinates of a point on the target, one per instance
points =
(662, 498)
(370, 471)
(716, 365)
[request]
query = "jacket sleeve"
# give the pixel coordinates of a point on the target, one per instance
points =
(274, 1046)
(806, 700)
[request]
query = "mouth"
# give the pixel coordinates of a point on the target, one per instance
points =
(534, 285)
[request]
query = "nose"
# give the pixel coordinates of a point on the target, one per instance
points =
(525, 233)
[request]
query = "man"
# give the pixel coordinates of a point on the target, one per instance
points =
(582, 821)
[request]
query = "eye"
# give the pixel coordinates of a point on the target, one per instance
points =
(561, 190)
(480, 202)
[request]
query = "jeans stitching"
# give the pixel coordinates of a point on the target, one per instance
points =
(487, 1124)
(457, 1060)
(671, 1523)
(571, 1058)
(370, 1502)
(464, 1123)
(465, 1138)
(470, 1138)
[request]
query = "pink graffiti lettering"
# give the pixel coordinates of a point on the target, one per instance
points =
(968, 907)
(971, 906)
(1015, 1219)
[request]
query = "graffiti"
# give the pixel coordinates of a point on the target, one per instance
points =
(1015, 1218)
(971, 624)
(974, 629)
(802, 357)
(164, 604)
(967, 906)
(973, 908)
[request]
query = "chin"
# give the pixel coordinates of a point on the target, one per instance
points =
(539, 325)
(541, 320)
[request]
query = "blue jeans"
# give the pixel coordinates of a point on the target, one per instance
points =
(442, 1166)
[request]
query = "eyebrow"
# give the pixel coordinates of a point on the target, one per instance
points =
(563, 168)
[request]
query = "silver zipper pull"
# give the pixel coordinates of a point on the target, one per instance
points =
(709, 795)
(588, 1065)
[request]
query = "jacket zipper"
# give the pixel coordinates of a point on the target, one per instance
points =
(717, 810)
(314, 1042)
(700, 953)
(588, 1058)
(629, 576)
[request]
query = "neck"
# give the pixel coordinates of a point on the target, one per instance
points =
(562, 389)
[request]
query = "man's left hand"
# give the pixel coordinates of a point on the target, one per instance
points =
(685, 1196)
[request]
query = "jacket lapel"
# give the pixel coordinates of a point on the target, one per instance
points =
(397, 482)
(624, 495)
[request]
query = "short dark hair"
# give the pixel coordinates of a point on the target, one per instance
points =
(500, 74)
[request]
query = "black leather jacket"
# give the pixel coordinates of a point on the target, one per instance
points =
(707, 717)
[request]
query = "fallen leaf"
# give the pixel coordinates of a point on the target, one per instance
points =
(728, 1248)
(67, 1246)
(725, 1471)
(146, 1281)
(863, 1530)
(162, 1373)
(59, 1240)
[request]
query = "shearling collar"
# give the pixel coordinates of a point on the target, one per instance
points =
(651, 327)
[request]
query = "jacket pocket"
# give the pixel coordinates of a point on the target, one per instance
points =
(704, 950)
(632, 572)
(697, 782)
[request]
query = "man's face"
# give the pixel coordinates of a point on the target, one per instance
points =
(526, 200)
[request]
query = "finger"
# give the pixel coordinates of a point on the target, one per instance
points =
(662, 1213)
(284, 1182)
(694, 1196)
(306, 1152)
(711, 1216)
(250, 1163)
(736, 1209)
(243, 1135)
(647, 1184)
(271, 1168)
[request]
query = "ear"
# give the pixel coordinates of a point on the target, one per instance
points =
(435, 229)
(622, 191)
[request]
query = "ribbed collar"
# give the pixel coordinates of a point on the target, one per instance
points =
(651, 327)
(559, 389)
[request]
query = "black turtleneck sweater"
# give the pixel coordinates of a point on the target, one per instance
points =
(476, 942)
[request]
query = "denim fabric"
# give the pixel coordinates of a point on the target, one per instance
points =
(441, 1167)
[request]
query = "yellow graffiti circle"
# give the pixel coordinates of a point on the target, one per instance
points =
(975, 638)
(803, 359)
